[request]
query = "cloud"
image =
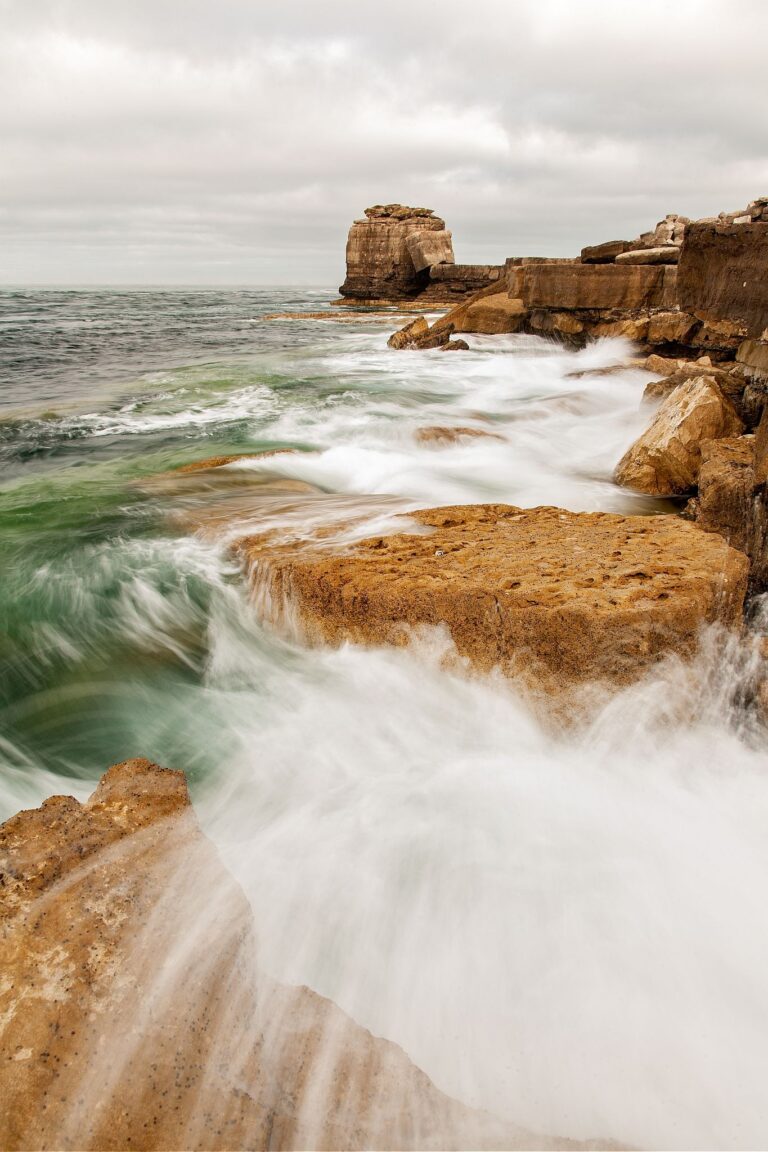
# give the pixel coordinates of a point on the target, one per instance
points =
(181, 141)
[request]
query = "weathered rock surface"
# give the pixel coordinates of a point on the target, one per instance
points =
(418, 334)
(133, 1015)
(723, 273)
(379, 263)
(665, 460)
(604, 253)
(428, 248)
(732, 498)
(555, 598)
(668, 255)
(591, 286)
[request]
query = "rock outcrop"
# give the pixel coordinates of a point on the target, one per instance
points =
(723, 274)
(554, 598)
(665, 460)
(733, 497)
(399, 253)
(133, 1014)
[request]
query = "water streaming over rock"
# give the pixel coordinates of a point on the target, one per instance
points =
(566, 927)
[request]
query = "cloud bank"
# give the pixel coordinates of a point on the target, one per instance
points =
(182, 141)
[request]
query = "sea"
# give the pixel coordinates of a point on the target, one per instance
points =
(564, 924)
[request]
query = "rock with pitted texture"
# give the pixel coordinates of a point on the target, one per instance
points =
(557, 599)
(379, 262)
(732, 498)
(723, 273)
(665, 460)
(132, 1013)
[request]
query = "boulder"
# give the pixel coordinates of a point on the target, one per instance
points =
(665, 460)
(493, 315)
(753, 354)
(455, 346)
(723, 273)
(670, 327)
(557, 599)
(133, 1014)
(666, 255)
(633, 328)
(604, 253)
(564, 287)
(428, 248)
(669, 231)
(418, 334)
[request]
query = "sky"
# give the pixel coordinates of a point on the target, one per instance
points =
(222, 142)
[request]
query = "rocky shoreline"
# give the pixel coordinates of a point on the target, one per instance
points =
(118, 918)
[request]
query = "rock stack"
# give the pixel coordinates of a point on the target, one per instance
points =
(399, 253)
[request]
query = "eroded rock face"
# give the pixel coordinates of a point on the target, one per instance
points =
(732, 499)
(723, 273)
(379, 251)
(665, 460)
(591, 286)
(133, 1015)
(554, 598)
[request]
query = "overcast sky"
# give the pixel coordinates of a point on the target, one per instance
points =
(234, 141)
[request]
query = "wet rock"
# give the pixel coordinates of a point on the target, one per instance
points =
(134, 1015)
(732, 500)
(633, 328)
(665, 460)
(455, 346)
(443, 436)
(555, 598)
(418, 334)
(222, 461)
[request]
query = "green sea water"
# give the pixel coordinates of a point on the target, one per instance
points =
(566, 928)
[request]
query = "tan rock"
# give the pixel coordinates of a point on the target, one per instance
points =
(723, 273)
(732, 500)
(664, 365)
(221, 461)
(753, 354)
(492, 315)
(563, 323)
(667, 255)
(408, 336)
(556, 598)
(633, 328)
(134, 1016)
(564, 287)
(379, 264)
(604, 253)
(665, 460)
(428, 248)
(455, 346)
(435, 434)
(670, 327)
